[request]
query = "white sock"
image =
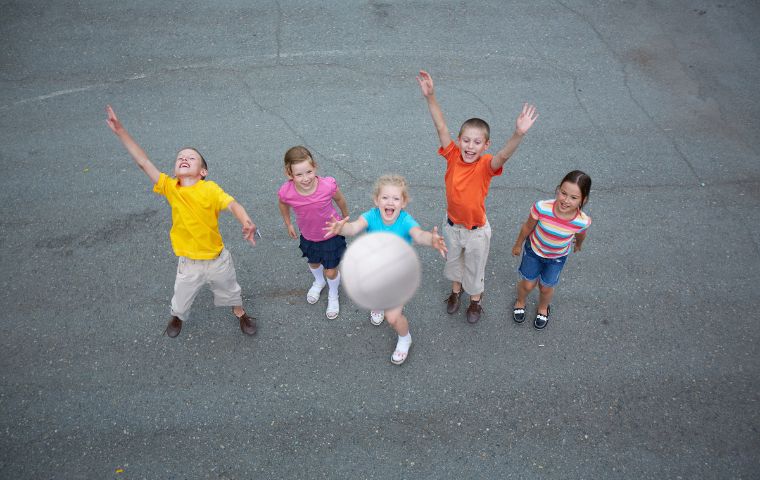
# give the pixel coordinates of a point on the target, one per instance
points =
(333, 284)
(319, 274)
(404, 342)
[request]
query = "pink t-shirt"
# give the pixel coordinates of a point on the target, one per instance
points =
(312, 211)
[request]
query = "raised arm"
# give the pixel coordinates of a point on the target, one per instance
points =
(428, 91)
(285, 212)
(138, 154)
(522, 125)
(342, 227)
(525, 230)
(431, 239)
(249, 228)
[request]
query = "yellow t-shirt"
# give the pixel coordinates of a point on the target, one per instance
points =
(195, 216)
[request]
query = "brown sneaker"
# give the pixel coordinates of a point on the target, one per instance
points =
(174, 327)
(452, 303)
(247, 324)
(474, 311)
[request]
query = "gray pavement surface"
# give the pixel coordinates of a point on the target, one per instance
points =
(650, 366)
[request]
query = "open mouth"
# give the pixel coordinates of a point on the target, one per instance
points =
(389, 211)
(184, 165)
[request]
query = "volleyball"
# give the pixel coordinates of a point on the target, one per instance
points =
(380, 271)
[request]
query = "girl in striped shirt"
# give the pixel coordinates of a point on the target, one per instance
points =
(552, 228)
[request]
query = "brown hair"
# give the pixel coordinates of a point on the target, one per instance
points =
(392, 180)
(295, 155)
(476, 123)
(203, 160)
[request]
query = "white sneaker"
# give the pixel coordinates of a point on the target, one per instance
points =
(312, 296)
(333, 308)
(376, 317)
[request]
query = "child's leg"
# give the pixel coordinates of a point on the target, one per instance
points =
(398, 321)
(222, 281)
(312, 296)
(188, 282)
(400, 324)
(318, 271)
(454, 268)
(477, 247)
(544, 299)
(333, 282)
(524, 287)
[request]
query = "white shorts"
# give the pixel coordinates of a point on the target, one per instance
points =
(192, 275)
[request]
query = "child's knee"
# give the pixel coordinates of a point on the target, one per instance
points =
(331, 273)
(545, 289)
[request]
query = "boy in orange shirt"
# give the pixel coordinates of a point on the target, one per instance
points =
(468, 176)
(196, 204)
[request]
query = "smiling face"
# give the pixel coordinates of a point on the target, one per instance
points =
(568, 200)
(473, 142)
(304, 175)
(390, 199)
(189, 165)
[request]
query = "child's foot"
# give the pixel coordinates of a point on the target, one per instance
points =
(518, 313)
(173, 327)
(474, 311)
(402, 350)
(247, 324)
(542, 320)
(312, 296)
(333, 307)
(452, 302)
(376, 317)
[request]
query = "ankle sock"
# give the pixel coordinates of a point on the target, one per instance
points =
(404, 342)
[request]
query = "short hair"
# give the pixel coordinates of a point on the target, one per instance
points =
(476, 123)
(394, 181)
(203, 160)
(295, 155)
(582, 180)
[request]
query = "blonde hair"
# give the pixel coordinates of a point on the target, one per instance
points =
(296, 155)
(394, 181)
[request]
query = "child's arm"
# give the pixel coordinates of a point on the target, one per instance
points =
(431, 239)
(138, 154)
(249, 228)
(579, 238)
(426, 85)
(340, 201)
(340, 227)
(285, 212)
(522, 125)
(525, 230)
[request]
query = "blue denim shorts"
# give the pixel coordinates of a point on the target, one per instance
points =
(533, 266)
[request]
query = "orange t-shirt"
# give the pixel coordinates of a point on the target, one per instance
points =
(467, 186)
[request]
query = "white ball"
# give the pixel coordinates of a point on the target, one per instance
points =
(380, 271)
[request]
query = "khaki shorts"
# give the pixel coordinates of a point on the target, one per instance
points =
(467, 257)
(192, 275)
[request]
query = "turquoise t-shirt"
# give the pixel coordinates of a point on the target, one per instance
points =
(400, 227)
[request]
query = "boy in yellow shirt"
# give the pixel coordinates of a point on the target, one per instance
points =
(196, 204)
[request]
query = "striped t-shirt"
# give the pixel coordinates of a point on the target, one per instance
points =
(553, 236)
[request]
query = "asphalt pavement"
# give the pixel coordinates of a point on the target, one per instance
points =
(649, 368)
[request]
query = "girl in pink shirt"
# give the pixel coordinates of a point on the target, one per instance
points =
(311, 197)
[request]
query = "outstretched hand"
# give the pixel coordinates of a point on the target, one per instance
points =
(334, 226)
(112, 121)
(526, 118)
(436, 241)
(426, 83)
(249, 232)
